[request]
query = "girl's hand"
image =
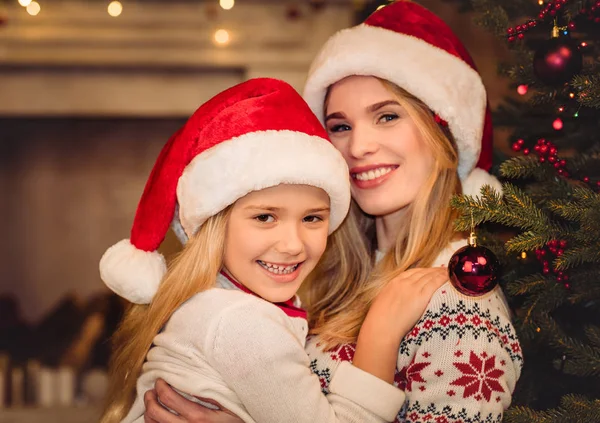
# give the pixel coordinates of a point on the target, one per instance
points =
(393, 313)
(402, 302)
(187, 411)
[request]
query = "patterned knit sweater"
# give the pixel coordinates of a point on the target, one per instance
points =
(248, 355)
(459, 364)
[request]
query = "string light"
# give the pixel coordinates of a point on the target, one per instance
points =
(557, 124)
(221, 36)
(226, 4)
(33, 8)
(115, 8)
(561, 109)
(522, 89)
(571, 95)
(523, 255)
(24, 3)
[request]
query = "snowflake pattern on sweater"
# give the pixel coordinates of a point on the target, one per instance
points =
(459, 364)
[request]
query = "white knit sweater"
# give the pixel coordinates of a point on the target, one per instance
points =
(459, 364)
(248, 355)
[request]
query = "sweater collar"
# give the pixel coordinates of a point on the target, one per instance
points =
(290, 307)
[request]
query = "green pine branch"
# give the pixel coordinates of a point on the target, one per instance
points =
(572, 408)
(576, 256)
(527, 285)
(588, 90)
(513, 208)
(520, 167)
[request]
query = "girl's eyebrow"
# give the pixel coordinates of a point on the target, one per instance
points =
(318, 210)
(262, 207)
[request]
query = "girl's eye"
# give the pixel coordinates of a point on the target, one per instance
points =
(265, 218)
(313, 219)
(339, 128)
(388, 117)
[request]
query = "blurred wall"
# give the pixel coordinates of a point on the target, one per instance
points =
(87, 101)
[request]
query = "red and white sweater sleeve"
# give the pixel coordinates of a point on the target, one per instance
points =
(461, 361)
(459, 364)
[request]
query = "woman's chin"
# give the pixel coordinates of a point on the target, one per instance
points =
(380, 205)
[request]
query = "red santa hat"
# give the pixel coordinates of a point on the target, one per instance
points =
(255, 135)
(408, 45)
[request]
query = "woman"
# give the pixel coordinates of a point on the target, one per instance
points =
(402, 101)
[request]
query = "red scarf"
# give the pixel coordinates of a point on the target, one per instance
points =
(287, 307)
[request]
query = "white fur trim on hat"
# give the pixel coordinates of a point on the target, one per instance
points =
(131, 273)
(447, 84)
(258, 160)
(472, 184)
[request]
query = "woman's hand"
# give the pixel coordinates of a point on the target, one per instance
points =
(393, 313)
(187, 411)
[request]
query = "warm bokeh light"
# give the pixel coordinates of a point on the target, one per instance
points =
(24, 3)
(221, 36)
(115, 8)
(226, 4)
(33, 8)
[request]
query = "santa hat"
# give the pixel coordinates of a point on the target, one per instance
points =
(408, 45)
(255, 135)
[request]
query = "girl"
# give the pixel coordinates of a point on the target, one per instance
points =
(403, 103)
(253, 184)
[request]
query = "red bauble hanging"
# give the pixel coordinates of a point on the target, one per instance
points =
(473, 269)
(557, 61)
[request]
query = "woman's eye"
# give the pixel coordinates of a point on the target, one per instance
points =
(388, 117)
(339, 128)
(313, 219)
(265, 218)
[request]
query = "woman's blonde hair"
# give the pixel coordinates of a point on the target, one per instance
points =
(343, 286)
(194, 270)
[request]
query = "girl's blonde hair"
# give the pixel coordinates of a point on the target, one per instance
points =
(194, 270)
(343, 286)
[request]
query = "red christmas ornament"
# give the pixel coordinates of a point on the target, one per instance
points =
(473, 269)
(557, 61)
(522, 89)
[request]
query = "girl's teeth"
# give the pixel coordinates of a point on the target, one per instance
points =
(373, 174)
(276, 269)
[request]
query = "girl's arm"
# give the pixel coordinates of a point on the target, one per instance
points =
(260, 357)
(461, 361)
(392, 315)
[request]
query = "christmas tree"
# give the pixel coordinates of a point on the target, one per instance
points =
(545, 228)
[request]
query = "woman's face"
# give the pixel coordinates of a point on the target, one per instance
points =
(387, 158)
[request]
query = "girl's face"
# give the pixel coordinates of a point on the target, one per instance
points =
(275, 237)
(387, 158)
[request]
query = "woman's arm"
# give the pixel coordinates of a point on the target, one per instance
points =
(163, 396)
